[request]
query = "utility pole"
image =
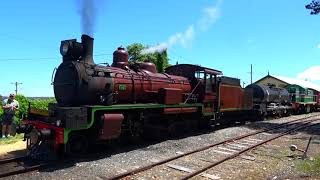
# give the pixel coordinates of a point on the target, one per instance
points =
(16, 84)
(251, 73)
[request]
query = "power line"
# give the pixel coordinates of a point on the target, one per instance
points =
(45, 58)
(26, 59)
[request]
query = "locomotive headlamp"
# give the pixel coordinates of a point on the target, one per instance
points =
(71, 48)
(64, 47)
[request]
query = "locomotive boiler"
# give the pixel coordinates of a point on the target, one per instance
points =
(270, 100)
(79, 81)
(269, 94)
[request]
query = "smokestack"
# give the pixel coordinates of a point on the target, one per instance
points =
(87, 43)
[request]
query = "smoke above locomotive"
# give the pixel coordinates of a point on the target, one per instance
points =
(87, 10)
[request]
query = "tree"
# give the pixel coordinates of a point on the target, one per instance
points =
(24, 105)
(314, 6)
(161, 60)
(134, 51)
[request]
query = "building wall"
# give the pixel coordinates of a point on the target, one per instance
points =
(271, 80)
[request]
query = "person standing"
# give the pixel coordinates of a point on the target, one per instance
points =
(9, 107)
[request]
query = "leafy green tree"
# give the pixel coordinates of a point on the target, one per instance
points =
(161, 60)
(314, 6)
(23, 106)
(42, 103)
(134, 51)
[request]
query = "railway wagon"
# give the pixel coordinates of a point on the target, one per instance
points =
(304, 100)
(235, 103)
(317, 99)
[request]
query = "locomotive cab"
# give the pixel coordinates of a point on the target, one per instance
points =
(204, 83)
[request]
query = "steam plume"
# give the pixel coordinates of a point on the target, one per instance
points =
(210, 16)
(87, 11)
(182, 38)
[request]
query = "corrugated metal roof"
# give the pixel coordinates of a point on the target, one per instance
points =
(302, 83)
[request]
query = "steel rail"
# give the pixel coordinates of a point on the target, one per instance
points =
(144, 168)
(24, 170)
(8, 160)
(247, 149)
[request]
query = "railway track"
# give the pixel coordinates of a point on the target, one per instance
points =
(18, 165)
(8, 160)
(222, 151)
(23, 164)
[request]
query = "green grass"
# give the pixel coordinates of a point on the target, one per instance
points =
(11, 140)
(310, 167)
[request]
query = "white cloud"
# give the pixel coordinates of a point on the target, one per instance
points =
(312, 73)
(209, 17)
(318, 46)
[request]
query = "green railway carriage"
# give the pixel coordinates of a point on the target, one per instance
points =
(304, 100)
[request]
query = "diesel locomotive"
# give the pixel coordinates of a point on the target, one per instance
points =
(98, 103)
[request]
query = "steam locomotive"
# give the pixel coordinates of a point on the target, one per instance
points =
(98, 103)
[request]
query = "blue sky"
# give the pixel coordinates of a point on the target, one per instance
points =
(276, 36)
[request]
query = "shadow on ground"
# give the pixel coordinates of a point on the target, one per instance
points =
(103, 151)
(118, 146)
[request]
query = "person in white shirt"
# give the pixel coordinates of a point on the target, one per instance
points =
(9, 107)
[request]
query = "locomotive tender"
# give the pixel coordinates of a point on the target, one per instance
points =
(99, 103)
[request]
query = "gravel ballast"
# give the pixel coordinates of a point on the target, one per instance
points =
(122, 158)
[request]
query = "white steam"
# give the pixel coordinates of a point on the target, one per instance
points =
(209, 17)
(87, 11)
(181, 38)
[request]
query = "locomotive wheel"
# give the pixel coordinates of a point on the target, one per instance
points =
(77, 145)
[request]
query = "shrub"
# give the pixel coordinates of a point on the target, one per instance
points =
(42, 103)
(311, 167)
(24, 105)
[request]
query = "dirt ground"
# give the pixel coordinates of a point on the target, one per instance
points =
(15, 149)
(275, 160)
(272, 161)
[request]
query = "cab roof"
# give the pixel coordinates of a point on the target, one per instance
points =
(189, 69)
